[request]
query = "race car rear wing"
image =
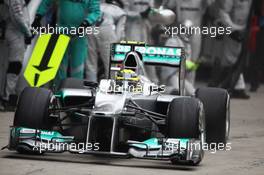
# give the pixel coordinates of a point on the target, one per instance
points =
(151, 55)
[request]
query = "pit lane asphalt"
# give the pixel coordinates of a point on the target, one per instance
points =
(246, 156)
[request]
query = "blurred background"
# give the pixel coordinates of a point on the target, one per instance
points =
(233, 61)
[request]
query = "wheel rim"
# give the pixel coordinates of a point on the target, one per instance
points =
(202, 123)
(227, 128)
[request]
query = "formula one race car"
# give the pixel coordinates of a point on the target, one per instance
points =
(124, 115)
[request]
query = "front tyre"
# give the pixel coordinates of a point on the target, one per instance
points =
(186, 120)
(33, 109)
(33, 112)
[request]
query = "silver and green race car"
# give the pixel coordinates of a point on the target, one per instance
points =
(125, 115)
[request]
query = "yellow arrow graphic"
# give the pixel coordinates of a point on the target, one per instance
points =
(45, 59)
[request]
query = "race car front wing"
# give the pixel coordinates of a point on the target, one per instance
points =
(40, 141)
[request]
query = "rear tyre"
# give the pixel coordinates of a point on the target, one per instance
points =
(186, 120)
(32, 110)
(216, 103)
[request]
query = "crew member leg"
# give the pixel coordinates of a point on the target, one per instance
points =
(78, 55)
(196, 49)
(63, 69)
(105, 38)
(91, 64)
(16, 50)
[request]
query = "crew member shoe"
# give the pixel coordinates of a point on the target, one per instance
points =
(239, 94)
(2, 107)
